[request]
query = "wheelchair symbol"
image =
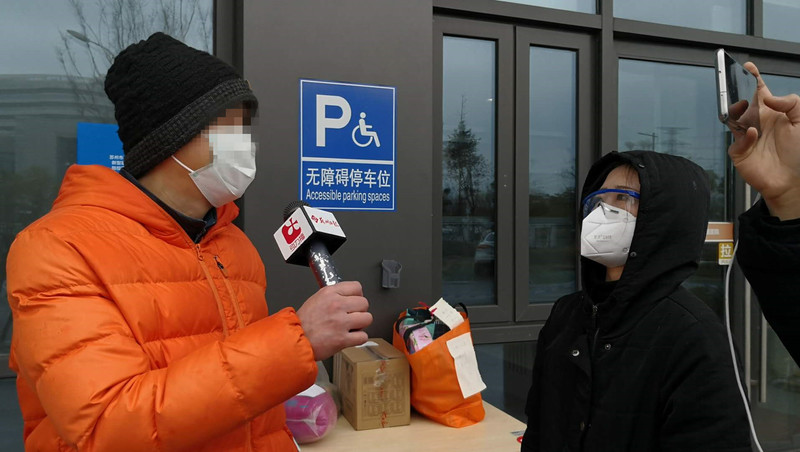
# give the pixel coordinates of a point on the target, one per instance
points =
(364, 131)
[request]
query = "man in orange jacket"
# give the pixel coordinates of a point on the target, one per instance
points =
(139, 314)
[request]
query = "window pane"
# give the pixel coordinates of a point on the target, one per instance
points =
(506, 369)
(468, 170)
(777, 419)
(552, 153)
(672, 108)
(780, 20)
(10, 417)
(716, 15)
(54, 62)
(581, 6)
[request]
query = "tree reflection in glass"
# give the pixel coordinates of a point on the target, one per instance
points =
(552, 158)
(468, 171)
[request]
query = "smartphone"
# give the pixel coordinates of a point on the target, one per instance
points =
(736, 94)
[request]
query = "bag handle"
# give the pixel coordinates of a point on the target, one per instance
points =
(404, 314)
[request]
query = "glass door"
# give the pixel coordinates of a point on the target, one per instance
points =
(475, 160)
(554, 96)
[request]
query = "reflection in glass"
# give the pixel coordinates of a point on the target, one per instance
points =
(468, 171)
(672, 108)
(780, 85)
(716, 15)
(780, 20)
(552, 148)
(10, 418)
(777, 419)
(581, 6)
(506, 369)
(52, 78)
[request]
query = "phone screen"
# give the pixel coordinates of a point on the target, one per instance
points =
(736, 99)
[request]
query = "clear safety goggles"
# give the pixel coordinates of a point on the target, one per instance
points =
(627, 200)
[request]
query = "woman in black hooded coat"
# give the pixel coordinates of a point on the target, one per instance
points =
(635, 362)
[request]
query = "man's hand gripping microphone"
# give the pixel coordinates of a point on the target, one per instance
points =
(334, 317)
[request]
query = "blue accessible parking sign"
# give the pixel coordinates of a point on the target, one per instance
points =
(347, 145)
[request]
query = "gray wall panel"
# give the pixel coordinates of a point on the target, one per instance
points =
(381, 42)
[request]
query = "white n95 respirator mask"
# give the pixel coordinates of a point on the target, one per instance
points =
(233, 165)
(606, 235)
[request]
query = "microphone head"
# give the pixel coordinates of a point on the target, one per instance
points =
(291, 207)
(304, 226)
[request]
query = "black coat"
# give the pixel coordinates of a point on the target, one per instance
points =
(642, 364)
(769, 254)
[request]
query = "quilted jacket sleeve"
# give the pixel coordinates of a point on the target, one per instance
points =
(76, 352)
(769, 254)
(704, 411)
(532, 436)
(532, 439)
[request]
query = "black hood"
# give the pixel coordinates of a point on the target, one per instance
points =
(668, 239)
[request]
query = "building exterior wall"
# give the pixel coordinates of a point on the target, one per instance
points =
(375, 42)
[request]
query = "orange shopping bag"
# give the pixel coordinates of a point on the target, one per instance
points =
(435, 389)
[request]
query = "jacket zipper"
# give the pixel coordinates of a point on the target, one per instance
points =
(596, 331)
(235, 301)
(228, 284)
(249, 427)
(213, 290)
(592, 350)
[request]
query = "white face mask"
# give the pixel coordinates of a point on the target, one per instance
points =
(232, 169)
(606, 235)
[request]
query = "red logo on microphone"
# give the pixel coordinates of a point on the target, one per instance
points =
(291, 231)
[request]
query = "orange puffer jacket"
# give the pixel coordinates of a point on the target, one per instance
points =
(128, 336)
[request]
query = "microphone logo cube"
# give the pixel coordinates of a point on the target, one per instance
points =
(304, 226)
(291, 231)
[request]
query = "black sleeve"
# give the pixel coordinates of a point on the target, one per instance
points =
(532, 439)
(769, 255)
(703, 408)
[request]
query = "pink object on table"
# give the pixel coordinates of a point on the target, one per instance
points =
(311, 417)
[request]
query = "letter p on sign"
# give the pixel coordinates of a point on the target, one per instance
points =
(324, 122)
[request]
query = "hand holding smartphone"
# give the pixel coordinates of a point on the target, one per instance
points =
(770, 163)
(737, 99)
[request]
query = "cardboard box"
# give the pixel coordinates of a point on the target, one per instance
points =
(374, 383)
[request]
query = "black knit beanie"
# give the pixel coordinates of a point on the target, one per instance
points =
(164, 94)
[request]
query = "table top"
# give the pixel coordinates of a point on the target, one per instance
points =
(497, 432)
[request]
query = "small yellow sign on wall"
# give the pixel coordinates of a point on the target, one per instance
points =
(725, 253)
(721, 233)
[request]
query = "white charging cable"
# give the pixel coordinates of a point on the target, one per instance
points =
(733, 352)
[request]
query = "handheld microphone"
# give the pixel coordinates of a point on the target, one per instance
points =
(308, 237)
